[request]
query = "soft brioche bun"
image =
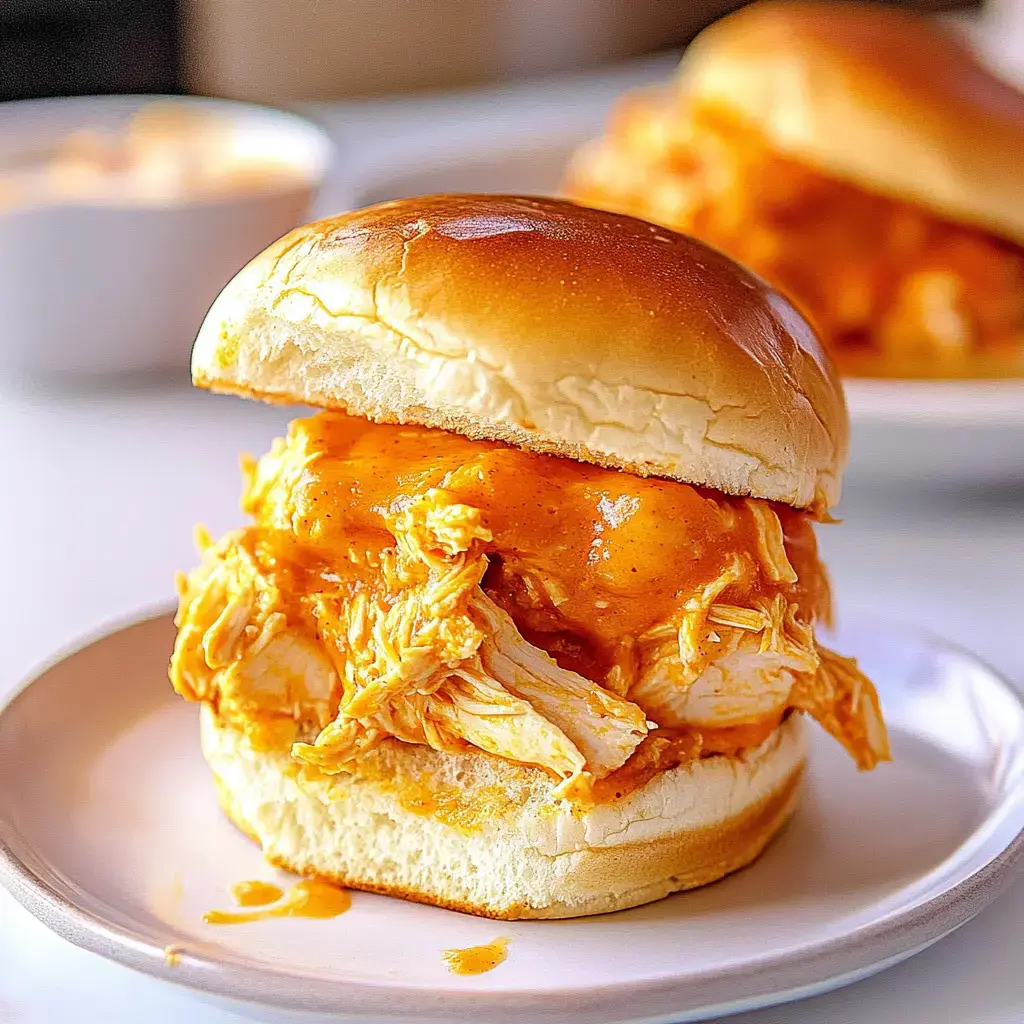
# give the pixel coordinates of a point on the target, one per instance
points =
(544, 324)
(886, 99)
(478, 834)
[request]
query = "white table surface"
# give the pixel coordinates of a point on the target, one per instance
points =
(99, 491)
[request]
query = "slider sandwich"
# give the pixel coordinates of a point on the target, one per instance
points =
(856, 156)
(523, 622)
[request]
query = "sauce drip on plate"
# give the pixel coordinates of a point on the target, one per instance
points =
(476, 959)
(309, 898)
(256, 894)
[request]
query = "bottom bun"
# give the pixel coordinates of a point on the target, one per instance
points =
(473, 833)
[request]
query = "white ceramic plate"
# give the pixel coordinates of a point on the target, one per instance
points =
(948, 433)
(936, 433)
(109, 833)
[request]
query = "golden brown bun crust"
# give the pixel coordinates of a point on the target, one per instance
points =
(480, 835)
(546, 325)
(883, 98)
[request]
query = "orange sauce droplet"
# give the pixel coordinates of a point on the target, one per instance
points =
(309, 898)
(256, 894)
(476, 959)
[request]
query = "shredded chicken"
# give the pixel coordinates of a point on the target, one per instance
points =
(890, 286)
(236, 648)
(427, 658)
(329, 650)
(847, 708)
(730, 666)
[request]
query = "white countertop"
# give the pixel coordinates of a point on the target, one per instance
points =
(99, 494)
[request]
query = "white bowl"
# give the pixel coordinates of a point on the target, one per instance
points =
(93, 288)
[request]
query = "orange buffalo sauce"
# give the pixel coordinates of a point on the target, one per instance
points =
(256, 893)
(581, 556)
(311, 897)
(476, 959)
(667, 748)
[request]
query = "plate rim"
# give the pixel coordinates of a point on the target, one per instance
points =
(773, 979)
(967, 402)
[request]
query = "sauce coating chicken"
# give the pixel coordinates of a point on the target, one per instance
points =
(407, 583)
(892, 288)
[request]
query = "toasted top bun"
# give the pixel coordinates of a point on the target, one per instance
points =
(543, 324)
(885, 99)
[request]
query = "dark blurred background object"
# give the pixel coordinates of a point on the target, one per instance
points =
(84, 47)
(284, 51)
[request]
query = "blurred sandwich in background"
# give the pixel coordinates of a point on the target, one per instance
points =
(858, 157)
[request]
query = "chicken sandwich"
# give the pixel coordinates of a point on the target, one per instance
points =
(523, 621)
(859, 158)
